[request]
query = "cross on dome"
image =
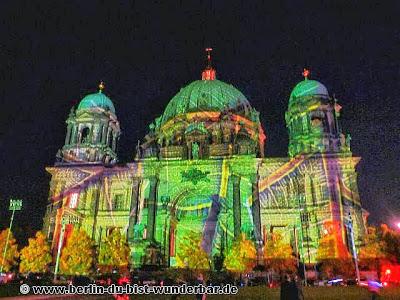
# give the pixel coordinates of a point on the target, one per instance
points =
(208, 51)
(306, 73)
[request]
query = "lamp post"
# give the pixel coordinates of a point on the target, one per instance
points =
(64, 221)
(301, 231)
(306, 218)
(353, 247)
(14, 205)
(302, 252)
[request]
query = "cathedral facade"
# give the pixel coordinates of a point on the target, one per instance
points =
(201, 168)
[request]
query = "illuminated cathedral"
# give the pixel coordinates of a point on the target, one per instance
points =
(201, 168)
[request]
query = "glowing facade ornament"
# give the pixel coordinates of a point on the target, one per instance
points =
(73, 200)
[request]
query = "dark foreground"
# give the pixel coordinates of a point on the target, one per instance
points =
(259, 292)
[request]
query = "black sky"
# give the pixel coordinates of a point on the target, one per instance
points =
(54, 52)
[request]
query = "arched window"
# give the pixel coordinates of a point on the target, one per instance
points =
(85, 135)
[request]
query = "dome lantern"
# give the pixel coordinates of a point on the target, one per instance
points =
(208, 73)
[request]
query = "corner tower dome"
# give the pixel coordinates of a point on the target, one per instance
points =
(95, 100)
(312, 120)
(93, 132)
(308, 88)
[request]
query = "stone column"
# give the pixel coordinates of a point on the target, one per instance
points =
(67, 138)
(152, 209)
(133, 209)
(104, 134)
(255, 209)
(95, 133)
(237, 214)
(114, 142)
(79, 134)
(74, 137)
(331, 121)
(109, 131)
(96, 199)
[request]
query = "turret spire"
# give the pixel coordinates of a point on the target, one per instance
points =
(209, 72)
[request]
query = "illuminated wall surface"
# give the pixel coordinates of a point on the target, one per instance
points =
(201, 168)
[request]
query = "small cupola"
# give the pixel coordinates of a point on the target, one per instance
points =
(208, 73)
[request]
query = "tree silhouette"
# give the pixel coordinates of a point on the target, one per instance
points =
(114, 251)
(242, 256)
(12, 254)
(36, 256)
(391, 240)
(278, 255)
(372, 251)
(77, 255)
(191, 255)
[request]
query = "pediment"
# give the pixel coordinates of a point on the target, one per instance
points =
(73, 176)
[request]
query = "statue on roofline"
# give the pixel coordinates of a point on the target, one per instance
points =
(151, 127)
(348, 140)
(158, 122)
(138, 151)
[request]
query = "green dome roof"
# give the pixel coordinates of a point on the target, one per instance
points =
(308, 88)
(96, 100)
(204, 95)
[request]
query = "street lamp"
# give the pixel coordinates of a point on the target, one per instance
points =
(353, 246)
(301, 231)
(64, 221)
(302, 251)
(14, 205)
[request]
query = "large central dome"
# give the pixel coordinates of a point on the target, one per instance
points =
(207, 118)
(205, 95)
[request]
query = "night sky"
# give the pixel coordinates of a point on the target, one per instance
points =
(52, 53)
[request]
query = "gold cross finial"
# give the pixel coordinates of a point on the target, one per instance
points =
(101, 86)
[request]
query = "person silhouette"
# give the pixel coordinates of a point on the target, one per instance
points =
(285, 288)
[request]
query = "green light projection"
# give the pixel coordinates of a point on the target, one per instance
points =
(201, 168)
